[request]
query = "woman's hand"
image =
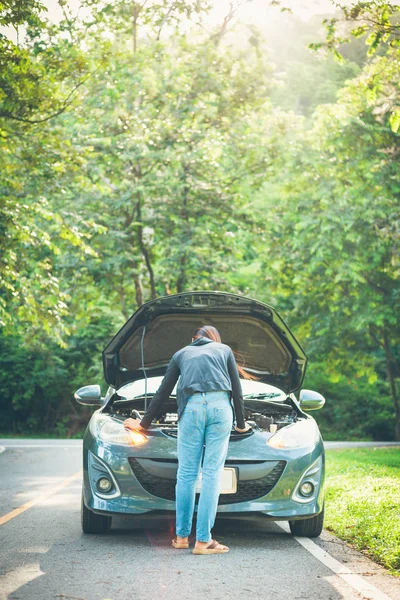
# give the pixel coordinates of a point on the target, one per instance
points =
(246, 428)
(133, 424)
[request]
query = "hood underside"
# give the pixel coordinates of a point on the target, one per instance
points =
(265, 345)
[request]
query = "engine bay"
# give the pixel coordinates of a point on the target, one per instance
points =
(261, 414)
(266, 415)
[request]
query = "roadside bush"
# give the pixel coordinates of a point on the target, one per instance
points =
(37, 382)
(354, 409)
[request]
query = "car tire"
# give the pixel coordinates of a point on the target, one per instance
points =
(308, 527)
(92, 523)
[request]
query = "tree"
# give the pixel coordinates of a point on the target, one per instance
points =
(39, 77)
(378, 22)
(177, 129)
(333, 255)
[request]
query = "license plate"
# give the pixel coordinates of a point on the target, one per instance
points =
(227, 482)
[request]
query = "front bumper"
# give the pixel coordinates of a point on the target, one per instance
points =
(144, 481)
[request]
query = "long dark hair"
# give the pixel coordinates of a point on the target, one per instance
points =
(213, 334)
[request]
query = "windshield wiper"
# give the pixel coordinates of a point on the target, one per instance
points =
(140, 396)
(262, 395)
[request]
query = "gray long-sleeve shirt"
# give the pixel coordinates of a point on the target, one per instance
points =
(202, 366)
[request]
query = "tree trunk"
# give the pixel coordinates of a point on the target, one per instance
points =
(146, 255)
(181, 279)
(134, 263)
(392, 382)
(143, 248)
(138, 290)
(123, 303)
(135, 16)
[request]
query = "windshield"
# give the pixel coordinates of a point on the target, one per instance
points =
(249, 388)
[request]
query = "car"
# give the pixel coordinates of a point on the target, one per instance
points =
(276, 470)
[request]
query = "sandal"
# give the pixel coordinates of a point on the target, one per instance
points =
(213, 548)
(179, 545)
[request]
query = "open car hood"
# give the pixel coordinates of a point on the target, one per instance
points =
(254, 330)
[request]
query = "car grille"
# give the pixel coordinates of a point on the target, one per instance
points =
(246, 490)
(234, 437)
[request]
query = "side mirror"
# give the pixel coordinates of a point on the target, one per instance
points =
(89, 394)
(310, 400)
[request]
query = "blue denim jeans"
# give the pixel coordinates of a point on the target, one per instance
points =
(203, 434)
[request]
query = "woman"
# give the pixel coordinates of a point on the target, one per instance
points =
(208, 378)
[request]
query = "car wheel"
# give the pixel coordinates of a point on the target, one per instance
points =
(92, 523)
(308, 527)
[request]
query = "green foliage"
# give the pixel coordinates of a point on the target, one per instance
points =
(303, 79)
(331, 255)
(378, 23)
(39, 77)
(307, 84)
(362, 501)
(34, 234)
(377, 20)
(173, 139)
(356, 408)
(37, 379)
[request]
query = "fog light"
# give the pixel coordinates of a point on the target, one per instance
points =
(104, 484)
(306, 488)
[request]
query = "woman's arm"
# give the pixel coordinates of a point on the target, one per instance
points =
(237, 394)
(163, 392)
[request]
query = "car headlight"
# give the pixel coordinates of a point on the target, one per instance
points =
(297, 435)
(107, 430)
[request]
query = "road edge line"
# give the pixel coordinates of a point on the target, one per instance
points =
(358, 583)
(17, 511)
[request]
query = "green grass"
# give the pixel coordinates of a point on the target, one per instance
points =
(363, 501)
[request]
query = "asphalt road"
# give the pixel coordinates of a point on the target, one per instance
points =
(44, 555)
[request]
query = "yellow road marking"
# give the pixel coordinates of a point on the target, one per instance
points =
(51, 492)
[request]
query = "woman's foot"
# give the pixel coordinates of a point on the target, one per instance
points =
(212, 547)
(180, 542)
